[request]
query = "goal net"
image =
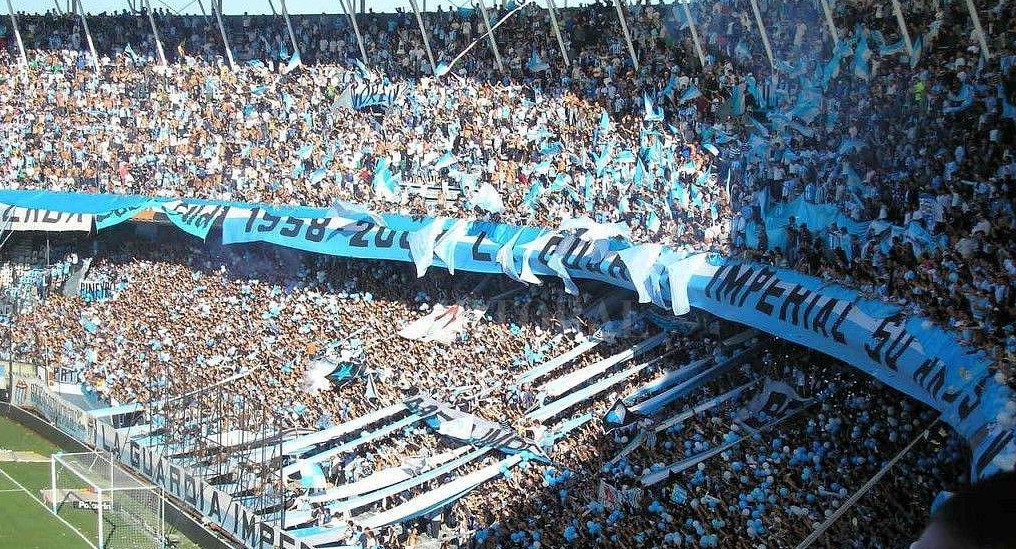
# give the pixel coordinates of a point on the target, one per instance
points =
(92, 489)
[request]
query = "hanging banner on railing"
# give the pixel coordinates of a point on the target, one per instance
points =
(15, 218)
(368, 94)
(195, 219)
(474, 430)
(907, 353)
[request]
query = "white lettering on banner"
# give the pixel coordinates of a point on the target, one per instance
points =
(364, 94)
(889, 347)
(215, 505)
(472, 429)
(16, 218)
(34, 394)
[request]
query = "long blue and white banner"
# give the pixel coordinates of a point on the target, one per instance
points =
(906, 352)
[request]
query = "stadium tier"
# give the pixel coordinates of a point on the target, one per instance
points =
(521, 274)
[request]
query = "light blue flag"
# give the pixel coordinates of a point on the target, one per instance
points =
(737, 100)
(536, 64)
(604, 121)
(603, 160)
(918, 46)
(385, 185)
(363, 72)
(533, 195)
(287, 101)
(131, 54)
(304, 151)
(442, 69)
(317, 175)
(862, 69)
(640, 260)
(487, 199)
(350, 210)
(294, 62)
(653, 113)
(447, 160)
(552, 149)
(421, 244)
(625, 156)
(311, 475)
(892, 49)
(299, 170)
(465, 13)
(640, 174)
(691, 93)
(653, 221)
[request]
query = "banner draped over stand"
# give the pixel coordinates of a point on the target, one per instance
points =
(906, 352)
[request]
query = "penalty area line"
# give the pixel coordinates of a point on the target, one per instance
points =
(21, 488)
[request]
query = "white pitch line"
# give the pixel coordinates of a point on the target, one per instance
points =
(43, 504)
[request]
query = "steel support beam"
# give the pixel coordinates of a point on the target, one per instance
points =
(423, 31)
(490, 36)
(627, 34)
(694, 35)
(983, 40)
(349, 9)
(217, 8)
(17, 34)
(88, 36)
(898, 10)
(289, 27)
(557, 31)
(762, 31)
(155, 33)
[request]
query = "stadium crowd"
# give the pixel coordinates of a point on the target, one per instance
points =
(849, 159)
(190, 316)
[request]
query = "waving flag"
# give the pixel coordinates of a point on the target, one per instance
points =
(385, 184)
(294, 62)
(447, 160)
(653, 113)
(604, 121)
(536, 64)
(691, 93)
(487, 199)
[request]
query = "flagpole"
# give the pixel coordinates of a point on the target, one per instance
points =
(88, 36)
(557, 31)
(980, 31)
(828, 11)
(155, 33)
(289, 27)
(627, 35)
(17, 34)
(217, 8)
(694, 35)
(898, 10)
(490, 36)
(762, 31)
(356, 28)
(423, 31)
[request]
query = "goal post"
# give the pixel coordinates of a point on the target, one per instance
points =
(91, 488)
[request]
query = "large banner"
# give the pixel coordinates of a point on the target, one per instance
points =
(15, 218)
(472, 429)
(907, 353)
(35, 394)
(214, 505)
(368, 94)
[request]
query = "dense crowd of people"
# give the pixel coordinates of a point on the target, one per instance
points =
(688, 155)
(880, 162)
(188, 316)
